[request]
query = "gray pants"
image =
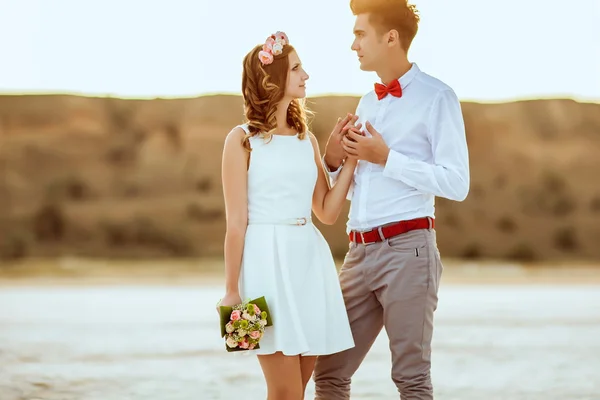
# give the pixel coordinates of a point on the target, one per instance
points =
(391, 284)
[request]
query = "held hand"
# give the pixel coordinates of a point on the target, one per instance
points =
(351, 162)
(372, 149)
(352, 159)
(230, 299)
(334, 152)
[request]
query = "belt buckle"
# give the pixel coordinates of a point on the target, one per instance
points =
(301, 221)
(362, 237)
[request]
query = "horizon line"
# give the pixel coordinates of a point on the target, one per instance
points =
(500, 100)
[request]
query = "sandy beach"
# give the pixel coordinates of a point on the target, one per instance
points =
(156, 337)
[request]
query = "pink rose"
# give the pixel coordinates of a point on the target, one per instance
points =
(235, 315)
(268, 46)
(265, 58)
(245, 344)
(255, 334)
(256, 310)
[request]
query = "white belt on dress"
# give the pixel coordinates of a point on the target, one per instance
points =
(286, 221)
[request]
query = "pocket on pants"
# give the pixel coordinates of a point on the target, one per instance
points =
(410, 242)
(439, 267)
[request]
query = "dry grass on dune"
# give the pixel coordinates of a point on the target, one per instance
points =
(115, 178)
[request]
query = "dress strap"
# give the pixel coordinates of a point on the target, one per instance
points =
(247, 131)
(245, 128)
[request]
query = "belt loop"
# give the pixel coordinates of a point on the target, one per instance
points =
(430, 222)
(380, 230)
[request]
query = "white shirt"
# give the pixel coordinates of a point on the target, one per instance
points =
(425, 132)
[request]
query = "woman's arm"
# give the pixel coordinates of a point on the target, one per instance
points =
(328, 201)
(235, 182)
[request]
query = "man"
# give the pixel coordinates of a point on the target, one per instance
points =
(412, 149)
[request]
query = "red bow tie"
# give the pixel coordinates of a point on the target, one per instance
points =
(394, 89)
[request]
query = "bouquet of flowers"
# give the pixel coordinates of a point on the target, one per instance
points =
(243, 325)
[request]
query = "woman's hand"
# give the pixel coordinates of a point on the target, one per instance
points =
(230, 299)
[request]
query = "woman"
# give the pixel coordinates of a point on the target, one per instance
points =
(272, 180)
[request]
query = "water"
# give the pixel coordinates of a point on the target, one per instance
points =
(161, 342)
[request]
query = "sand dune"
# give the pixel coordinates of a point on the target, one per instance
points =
(141, 178)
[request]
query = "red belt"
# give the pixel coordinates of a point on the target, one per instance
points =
(388, 231)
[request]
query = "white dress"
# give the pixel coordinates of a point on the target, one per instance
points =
(290, 264)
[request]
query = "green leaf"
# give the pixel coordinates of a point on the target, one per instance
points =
(262, 304)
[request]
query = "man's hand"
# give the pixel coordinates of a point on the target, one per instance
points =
(372, 149)
(334, 152)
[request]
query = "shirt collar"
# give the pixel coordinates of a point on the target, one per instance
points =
(409, 75)
(407, 78)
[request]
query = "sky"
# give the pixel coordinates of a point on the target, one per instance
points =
(486, 50)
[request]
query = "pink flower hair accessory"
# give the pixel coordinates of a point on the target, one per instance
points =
(273, 47)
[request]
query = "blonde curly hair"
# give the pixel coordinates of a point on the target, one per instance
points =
(263, 87)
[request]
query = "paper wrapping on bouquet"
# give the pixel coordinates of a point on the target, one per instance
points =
(225, 314)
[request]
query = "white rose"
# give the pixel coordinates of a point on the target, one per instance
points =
(231, 342)
(277, 48)
(263, 322)
(242, 333)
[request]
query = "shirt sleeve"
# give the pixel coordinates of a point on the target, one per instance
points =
(333, 175)
(448, 175)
